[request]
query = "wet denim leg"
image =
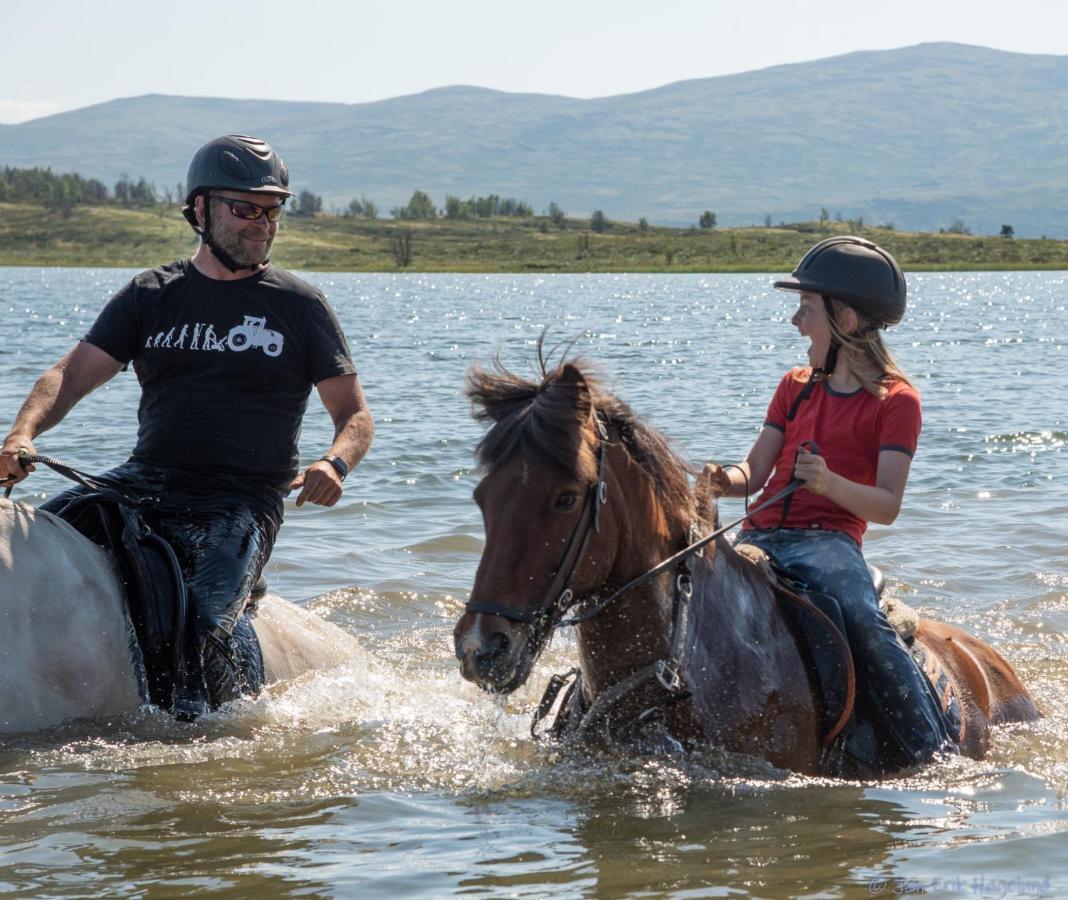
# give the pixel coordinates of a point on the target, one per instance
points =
(222, 545)
(832, 563)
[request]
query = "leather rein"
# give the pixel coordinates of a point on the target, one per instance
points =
(558, 598)
(100, 485)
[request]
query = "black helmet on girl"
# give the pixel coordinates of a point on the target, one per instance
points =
(855, 271)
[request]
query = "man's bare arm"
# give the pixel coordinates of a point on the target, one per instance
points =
(353, 432)
(78, 373)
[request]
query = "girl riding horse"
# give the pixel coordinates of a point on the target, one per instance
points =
(590, 522)
(857, 408)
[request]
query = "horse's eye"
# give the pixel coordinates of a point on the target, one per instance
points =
(566, 501)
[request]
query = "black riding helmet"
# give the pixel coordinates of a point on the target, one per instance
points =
(857, 272)
(235, 162)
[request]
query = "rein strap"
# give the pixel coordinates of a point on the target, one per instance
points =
(647, 576)
(91, 482)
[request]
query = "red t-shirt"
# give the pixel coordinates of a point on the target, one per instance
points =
(851, 431)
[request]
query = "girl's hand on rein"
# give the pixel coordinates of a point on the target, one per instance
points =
(812, 468)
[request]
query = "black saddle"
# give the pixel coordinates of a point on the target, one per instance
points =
(166, 656)
(864, 746)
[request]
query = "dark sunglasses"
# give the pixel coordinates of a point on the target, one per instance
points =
(245, 210)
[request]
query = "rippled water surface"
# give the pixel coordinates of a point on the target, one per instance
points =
(391, 776)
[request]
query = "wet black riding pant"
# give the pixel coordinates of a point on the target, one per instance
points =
(222, 539)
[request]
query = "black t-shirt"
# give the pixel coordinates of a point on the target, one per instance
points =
(225, 367)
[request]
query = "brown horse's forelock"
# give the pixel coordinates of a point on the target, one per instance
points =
(543, 420)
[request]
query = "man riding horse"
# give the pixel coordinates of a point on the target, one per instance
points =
(221, 408)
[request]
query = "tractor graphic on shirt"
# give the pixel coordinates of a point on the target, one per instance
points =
(253, 332)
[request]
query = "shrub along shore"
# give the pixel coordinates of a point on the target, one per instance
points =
(101, 236)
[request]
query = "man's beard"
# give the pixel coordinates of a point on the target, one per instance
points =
(246, 255)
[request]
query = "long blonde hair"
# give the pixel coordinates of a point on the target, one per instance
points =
(864, 351)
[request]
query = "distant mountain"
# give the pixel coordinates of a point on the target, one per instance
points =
(919, 136)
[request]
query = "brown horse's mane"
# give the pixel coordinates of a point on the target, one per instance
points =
(550, 419)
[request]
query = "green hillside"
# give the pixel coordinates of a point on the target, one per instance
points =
(116, 236)
(917, 136)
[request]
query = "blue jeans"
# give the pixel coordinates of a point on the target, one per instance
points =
(831, 562)
(222, 541)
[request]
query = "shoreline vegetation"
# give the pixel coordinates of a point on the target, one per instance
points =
(39, 234)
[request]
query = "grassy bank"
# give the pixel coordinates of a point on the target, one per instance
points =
(114, 236)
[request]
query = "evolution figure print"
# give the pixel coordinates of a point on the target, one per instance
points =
(252, 332)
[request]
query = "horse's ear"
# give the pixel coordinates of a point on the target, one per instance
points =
(712, 483)
(570, 374)
(572, 382)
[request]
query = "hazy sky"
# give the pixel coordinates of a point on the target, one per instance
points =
(62, 54)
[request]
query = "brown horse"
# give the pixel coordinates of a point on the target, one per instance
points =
(580, 498)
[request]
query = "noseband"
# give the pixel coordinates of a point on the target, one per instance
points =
(558, 598)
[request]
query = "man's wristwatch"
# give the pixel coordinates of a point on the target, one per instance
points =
(340, 466)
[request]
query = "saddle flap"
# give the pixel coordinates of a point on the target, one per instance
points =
(153, 585)
(820, 629)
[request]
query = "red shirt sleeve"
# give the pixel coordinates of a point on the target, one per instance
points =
(783, 399)
(900, 420)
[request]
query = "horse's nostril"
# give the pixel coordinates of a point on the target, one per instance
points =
(493, 648)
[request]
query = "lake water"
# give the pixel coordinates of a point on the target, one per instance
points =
(393, 777)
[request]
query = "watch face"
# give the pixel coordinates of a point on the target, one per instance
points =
(339, 465)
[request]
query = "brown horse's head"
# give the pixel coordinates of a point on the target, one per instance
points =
(546, 530)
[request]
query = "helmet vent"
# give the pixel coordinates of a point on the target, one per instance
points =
(254, 145)
(236, 163)
(233, 166)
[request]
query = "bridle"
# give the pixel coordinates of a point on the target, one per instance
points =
(558, 598)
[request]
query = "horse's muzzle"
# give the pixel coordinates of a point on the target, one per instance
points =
(491, 660)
